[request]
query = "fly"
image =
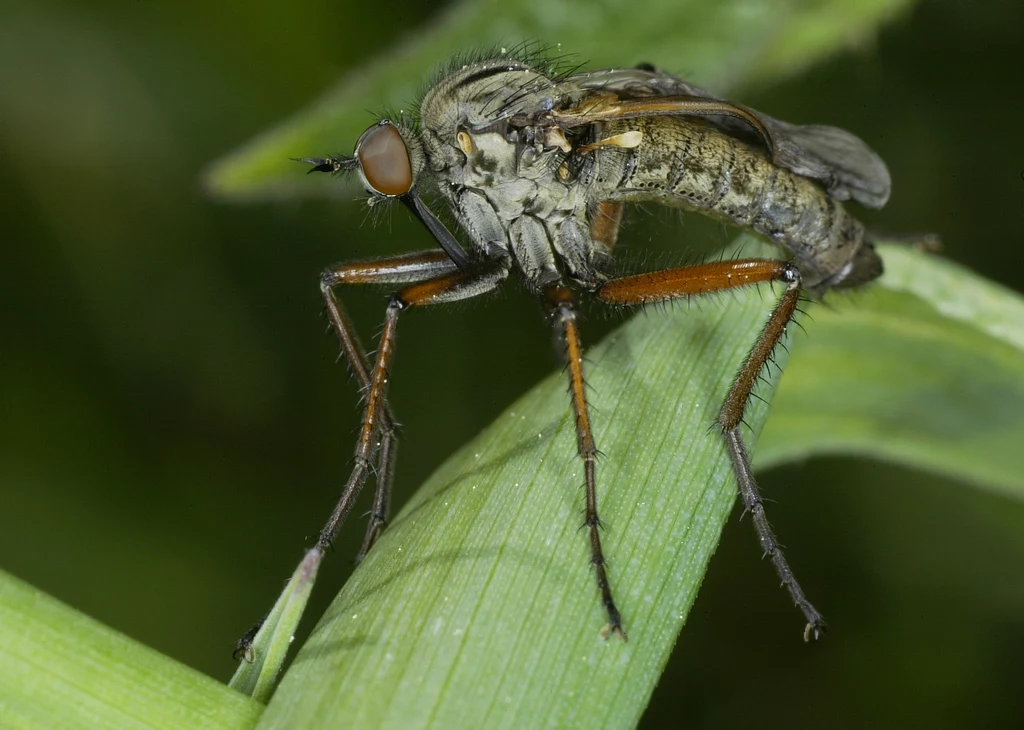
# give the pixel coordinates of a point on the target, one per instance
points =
(536, 167)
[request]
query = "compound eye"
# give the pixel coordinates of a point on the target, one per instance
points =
(384, 160)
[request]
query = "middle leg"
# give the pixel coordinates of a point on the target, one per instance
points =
(560, 303)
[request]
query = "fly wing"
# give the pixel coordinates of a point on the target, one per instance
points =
(842, 162)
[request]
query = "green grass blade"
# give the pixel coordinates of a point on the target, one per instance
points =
(261, 663)
(477, 608)
(61, 669)
(716, 44)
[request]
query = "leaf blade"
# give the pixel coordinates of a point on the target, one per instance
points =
(60, 668)
(261, 661)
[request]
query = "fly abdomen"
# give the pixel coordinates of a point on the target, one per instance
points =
(687, 163)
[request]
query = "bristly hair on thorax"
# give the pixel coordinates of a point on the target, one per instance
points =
(544, 58)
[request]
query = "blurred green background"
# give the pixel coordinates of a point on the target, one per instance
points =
(174, 426)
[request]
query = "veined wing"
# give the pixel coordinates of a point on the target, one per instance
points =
(842, 162)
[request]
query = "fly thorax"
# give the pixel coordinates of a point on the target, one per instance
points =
(501, 177)
(490, 159)
(517, 177)
(479, 94)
